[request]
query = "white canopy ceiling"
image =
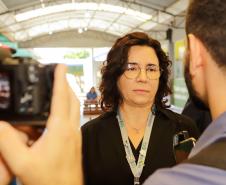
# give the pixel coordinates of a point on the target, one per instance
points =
(24, 20)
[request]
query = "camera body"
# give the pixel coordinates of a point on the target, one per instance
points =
(182, 144)
(25, 92)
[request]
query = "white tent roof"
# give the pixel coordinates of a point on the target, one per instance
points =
(27, 19)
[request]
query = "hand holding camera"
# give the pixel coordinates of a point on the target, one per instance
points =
(56, 155)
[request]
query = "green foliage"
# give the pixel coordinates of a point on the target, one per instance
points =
(76, 70)
(77, 55)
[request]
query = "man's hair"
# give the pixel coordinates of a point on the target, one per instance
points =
(206, 19)
(115, 66)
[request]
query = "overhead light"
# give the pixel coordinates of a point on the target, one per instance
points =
(81, 6)
(127, 11)
(37, 30)
(80, 30)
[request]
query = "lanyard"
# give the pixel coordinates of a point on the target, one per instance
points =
(136, 168)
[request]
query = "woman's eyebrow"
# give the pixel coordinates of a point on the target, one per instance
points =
(132, 63)
(151, 64)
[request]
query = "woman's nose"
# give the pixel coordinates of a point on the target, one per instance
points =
(142, 76)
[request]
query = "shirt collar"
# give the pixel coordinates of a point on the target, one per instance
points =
(215, 131)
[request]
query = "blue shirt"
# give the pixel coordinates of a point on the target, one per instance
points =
(192, 174)
(91, 96)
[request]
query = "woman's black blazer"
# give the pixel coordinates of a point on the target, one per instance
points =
(104, 157)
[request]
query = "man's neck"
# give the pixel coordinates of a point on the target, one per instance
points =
(218, 104)
(216, 94)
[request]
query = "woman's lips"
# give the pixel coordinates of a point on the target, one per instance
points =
(141, 91)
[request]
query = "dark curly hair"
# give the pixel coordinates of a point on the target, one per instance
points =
(115, 65)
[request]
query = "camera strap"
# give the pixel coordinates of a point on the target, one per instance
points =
(136, 168)
(213, 156)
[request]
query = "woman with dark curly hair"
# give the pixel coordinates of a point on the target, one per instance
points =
(134, 136)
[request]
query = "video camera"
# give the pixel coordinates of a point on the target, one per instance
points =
(25, 92)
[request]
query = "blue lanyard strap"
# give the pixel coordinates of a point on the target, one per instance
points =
(136, 168)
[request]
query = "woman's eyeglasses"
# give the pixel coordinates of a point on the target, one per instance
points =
(133, 70)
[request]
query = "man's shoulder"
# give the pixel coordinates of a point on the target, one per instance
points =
(188, 174)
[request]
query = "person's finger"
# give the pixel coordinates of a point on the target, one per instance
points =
(60, 99)
(5, 174)
(12, 147)
(74, 109)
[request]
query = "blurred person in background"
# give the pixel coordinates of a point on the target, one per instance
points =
(91, 95)
(201, 117)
